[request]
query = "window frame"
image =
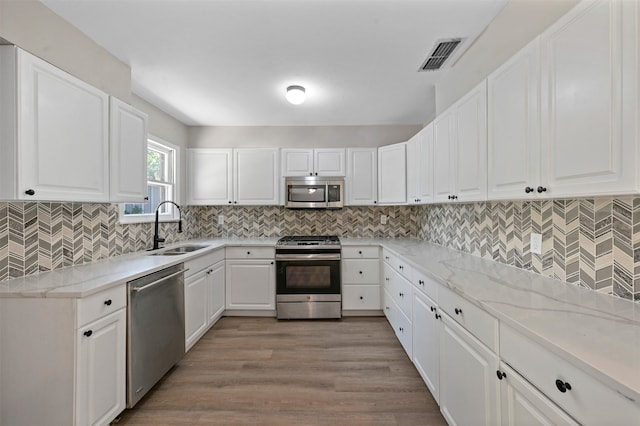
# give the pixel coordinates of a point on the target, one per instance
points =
(173, 214)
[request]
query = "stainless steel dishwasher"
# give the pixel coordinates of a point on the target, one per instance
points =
(155, 329)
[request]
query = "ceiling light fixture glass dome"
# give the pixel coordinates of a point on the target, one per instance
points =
(296, 94)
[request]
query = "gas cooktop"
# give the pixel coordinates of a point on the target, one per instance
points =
(306, 240)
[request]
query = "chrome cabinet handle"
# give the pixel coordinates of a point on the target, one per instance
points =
(158, 281)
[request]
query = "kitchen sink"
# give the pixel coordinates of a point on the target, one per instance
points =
(175, 251)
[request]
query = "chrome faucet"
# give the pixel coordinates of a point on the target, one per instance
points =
(156, 238)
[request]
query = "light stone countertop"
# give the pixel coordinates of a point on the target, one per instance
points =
(596, 332)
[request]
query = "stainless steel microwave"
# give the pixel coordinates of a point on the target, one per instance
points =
(314, 192)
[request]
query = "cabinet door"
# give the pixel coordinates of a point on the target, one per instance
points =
(209, 177)
(251, 284)
(522, 404)
(426, 355)
(413, 168)
(471, 146)
(392, 175)
(362, 176)
(128, 153)
(195, 307)
(443, 154)
(63, 130)
(425, 165)
(588, 146)
(256, 176)
(329, 162)
(513, 126)
(469, 389)
(216, 283)
(100, 394)
(297, 162)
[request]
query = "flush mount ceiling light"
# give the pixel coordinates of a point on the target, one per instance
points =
(296, 94)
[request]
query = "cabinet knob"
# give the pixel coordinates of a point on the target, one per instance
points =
(454, 197)
(146, 198)
(107, 302)
(529, 189)
(401, 267)
(359, 251)
(386, 279)
(501, 375)
(401, 329)
(248, 253)
(88, 333)
(272, 263)
(361, 298)
(420, 282)
(375, 202)
(316, 173)
(229, 201)
(448, 197)
(563, 386)
(458, 311)
(235, 202)
(541, 189)
(386, 258)
(30, 192)
(387, 308)
(310, 174)
(401, 294)
(438, 316)
(360, 272)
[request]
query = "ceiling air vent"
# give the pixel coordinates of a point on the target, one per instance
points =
(440, 54)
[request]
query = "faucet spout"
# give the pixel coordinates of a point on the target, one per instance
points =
(156, 236)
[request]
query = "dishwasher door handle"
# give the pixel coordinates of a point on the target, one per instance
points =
(158, 281)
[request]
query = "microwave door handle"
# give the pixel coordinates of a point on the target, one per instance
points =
(326, 194)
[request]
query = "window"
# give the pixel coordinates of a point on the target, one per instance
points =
(162, 161)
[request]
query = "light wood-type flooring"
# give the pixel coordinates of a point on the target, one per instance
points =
(261, 371)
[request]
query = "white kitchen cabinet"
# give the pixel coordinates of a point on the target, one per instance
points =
(101, 365)
(66, 363)
(420, 167)
(469, 388)
(523, 404)
(209, 176)
(54, 136)
(460, 149)
(426, 328)
(589, 108)
(392, 174)
(256, 176)
(513, 126)
(204, 294)
(128, 153)
(360, 269)
(313, 162)
(361, 183)
(250, 278)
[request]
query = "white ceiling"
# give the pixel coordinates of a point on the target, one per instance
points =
(228, 62)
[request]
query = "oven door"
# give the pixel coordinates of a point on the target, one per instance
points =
(305, 273)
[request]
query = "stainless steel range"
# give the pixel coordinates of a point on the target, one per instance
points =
(308, 277)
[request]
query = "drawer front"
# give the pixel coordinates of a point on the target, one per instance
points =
(360, 252)
(201, 262)
(356, 271)
(401, 267)
(389, 278)
(100, 304)
(476, 321)
(426, 285)
(248, 252)
(361, 297)
(588, 401)
(403, 295)
(402, 327)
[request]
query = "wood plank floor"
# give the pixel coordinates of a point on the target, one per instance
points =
(261, 371)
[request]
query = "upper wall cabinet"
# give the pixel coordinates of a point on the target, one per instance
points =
(460, 149)
(233, 176)
(420, 167)
(584, 142)
(361, 183)
(392, 174)
(128, 153)
(54, 139)
(313, 162)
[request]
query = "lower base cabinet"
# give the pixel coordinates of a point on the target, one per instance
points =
(469, 388)
(426, 342)
(251, 284)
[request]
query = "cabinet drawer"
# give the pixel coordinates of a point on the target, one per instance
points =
(100, 304)
(402, 327)
(426, 285)
(588, 401)
(476, 321)
(363, 297)
(403, 295)
(249, 252)
(360, 252)
(398, 264)
(201, 262)
(356, 271)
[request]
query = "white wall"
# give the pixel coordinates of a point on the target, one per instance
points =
(516, 25)
(298, 136)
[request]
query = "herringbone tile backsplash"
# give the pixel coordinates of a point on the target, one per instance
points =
(592, 242)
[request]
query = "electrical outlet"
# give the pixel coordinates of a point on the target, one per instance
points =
(535, 244)
(220, 219)
(383, 219)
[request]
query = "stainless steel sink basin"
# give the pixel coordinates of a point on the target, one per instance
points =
(179, 250)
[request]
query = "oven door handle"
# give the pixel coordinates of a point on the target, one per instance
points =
(308, 256)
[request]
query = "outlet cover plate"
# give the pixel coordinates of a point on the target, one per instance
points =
(535, 245)
(383, 219)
